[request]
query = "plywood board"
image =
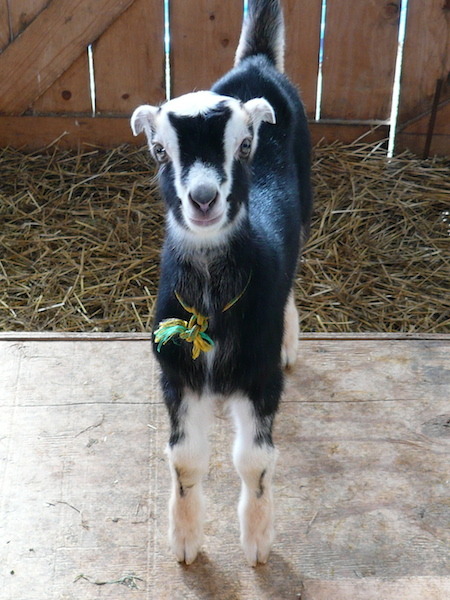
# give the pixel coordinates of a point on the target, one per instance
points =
(203, 38)
(363, 505)
(359, 59)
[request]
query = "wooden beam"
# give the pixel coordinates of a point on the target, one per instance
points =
(347, 133)
(54, 40)
(33, 132)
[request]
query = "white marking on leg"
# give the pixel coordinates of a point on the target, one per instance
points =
(291, 332)
(255, 463)
(189, 460)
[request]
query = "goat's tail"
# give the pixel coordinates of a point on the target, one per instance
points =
(263, 32)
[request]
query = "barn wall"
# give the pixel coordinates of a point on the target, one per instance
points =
(46, 78)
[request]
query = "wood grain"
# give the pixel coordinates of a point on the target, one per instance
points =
(412, 137)
(405, 588)
(302, 22)
(361, 485)
(204, 37)
(37, 132)
(70, 93)
(359, 59)
(129, 60)
(55, 38)
(23, 12)
(426, 56)
(4, 24)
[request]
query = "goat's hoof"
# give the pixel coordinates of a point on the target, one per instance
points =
(258, 543)
(288, 357)
(186, 546)
(257, 551)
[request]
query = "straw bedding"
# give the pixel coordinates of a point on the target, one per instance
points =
(80, 236)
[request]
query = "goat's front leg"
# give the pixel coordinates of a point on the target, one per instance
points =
(254, 458)
(188, 453)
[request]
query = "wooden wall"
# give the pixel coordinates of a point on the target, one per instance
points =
(45, 85)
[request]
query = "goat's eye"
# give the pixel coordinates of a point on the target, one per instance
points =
(245, 148)
(160, 153)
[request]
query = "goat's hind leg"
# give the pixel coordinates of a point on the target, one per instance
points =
(188, 453)
(254, 458)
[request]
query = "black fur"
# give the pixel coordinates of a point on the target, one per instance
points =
(262, 30)
(262, 252)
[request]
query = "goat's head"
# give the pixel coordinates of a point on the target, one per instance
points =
(202, 142)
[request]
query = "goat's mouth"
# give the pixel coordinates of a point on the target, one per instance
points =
(206, 220)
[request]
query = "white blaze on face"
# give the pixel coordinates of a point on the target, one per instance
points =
(202, 185)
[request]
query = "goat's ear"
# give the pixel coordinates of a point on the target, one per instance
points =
(260, 110)
(143, 120)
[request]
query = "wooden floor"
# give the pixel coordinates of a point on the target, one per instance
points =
(362, 484)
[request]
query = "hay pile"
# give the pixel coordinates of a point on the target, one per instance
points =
(79, 241)
(379, 255)
(80, 236)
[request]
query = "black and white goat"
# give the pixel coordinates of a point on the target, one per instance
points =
(235, 177)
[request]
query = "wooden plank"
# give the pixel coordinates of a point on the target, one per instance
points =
(56, 37)
(129, 60)
(70, 93)
(382, 370)
(52, 336)
(426, 56)
(361, 488)
(302, 21)
(23, 12)
(4, 24)
(36, 132)
(203, 35)
(372, 588)
(412, 137)
(415, 143)
(359, 59)
(347, 133)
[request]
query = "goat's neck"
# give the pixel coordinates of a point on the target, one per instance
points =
(211, 277)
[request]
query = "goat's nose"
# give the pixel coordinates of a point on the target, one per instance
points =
(203, 196)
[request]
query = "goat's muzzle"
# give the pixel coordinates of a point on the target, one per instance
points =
(203, 197)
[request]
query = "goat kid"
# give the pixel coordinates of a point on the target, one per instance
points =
(235, 177)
